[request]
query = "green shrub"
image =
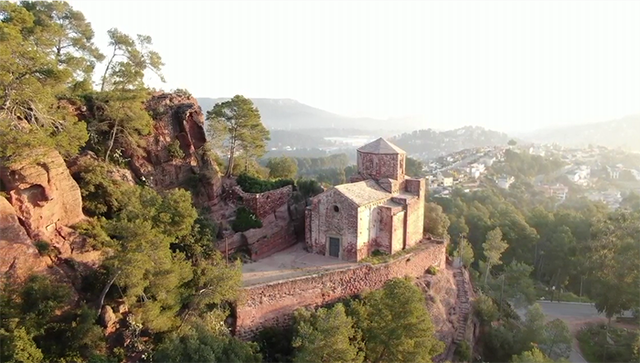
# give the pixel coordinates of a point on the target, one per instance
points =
(245, 220)
(309, 187)
(182, 92)
(43, 247)
(275, 344)
(250, 184)
(463, 352)
(100, 193)
(378, 253)
(92, 230)
(432, 270)
(485, 309)
(175, 152)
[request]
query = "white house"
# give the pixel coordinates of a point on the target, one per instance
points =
(445, 178)
(476, 169)
(505, 181)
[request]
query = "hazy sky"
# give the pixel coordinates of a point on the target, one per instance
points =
(504, 65)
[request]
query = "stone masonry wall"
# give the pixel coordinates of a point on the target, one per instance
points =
(263, 204)
(277, 241)
(415, 210)
(324, 221)
(378, 166)
(272, 304)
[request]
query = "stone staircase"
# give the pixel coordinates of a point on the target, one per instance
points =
(463, 287)
(460, 314)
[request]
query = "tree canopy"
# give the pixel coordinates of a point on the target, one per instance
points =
(282, 168)
(326, 336)
(39, 47)
(235, 125)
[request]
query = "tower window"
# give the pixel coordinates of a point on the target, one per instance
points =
(336, 208)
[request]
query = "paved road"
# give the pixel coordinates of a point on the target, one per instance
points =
(575, 315)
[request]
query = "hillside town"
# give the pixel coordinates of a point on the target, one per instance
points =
(593, 172)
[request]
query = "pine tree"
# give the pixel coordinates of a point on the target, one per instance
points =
(235, 126)
(325, 336)
(493, 248)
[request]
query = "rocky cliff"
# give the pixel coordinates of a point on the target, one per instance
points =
(18, 256)
(175, 154)
(42, 201)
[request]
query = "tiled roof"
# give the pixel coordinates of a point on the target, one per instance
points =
(363, 192)
(381, 146)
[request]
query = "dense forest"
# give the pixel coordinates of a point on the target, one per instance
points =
(520, 246)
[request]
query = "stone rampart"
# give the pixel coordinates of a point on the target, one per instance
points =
(272, 304)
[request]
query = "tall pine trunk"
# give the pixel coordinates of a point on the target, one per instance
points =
(486, 274)
(231, 160)
(111, 141)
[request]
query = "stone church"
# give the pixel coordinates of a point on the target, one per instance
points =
(380, 209)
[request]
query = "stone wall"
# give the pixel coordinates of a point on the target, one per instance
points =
(324, 221)
(415, 211)
(273, 242)
(379, 166)
(272, 304)
(264, 204)
(397, 232)
(277, 233)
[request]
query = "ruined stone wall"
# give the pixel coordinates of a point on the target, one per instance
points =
(264, 204)
(325, 222)
(272, 304)
(379, 166)
(271, 243)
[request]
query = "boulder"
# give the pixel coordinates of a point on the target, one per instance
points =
(18, 255)
(42, 193)
(107, 318)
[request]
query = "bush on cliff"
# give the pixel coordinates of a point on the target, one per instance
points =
(101, 194)
(175, 152)
(250, 184)
(245, 220)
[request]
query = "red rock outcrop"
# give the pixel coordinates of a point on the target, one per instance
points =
(43, 194)
(175, 154)
(18, 256)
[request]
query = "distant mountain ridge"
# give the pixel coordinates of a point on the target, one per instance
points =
(620, 133)
(288, 114)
